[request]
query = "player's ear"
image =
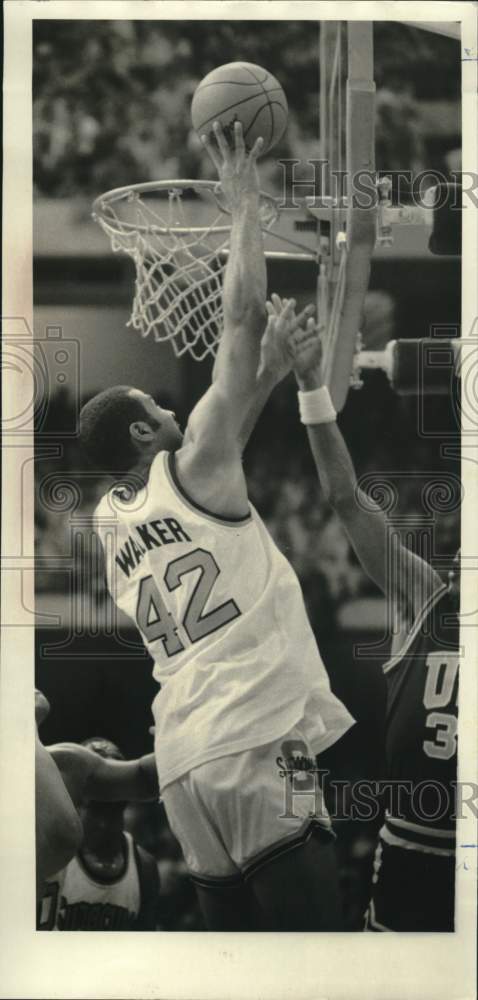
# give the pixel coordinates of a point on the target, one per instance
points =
(141, 432)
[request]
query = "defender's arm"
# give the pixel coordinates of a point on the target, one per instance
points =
(89, 776)
(399, 573)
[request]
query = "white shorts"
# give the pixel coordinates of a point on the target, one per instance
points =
(234, 814)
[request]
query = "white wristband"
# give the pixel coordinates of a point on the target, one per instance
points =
(316, 406)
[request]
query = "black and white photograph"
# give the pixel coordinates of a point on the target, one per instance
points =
(239, 448)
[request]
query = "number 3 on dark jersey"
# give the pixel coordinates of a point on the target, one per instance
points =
(154, 619)
(442, 671)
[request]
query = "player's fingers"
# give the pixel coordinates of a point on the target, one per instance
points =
(288, 307)
(221, 140)
(277, 302)
(306, 314)
(301, 339)
(239, 139)
(212, 152)
(309, 329)
(256, 149)
(269, 325)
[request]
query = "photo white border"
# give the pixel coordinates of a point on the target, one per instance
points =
(183, 965)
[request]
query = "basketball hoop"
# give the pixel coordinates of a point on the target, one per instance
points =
(177, 232)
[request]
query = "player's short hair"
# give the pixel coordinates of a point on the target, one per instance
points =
(104, 428)
(103, 747)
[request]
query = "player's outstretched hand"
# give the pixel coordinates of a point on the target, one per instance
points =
(305, 347)
(237, 169)
(277, 345)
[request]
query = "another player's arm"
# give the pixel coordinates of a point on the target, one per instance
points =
(402, 575)
(58, 827)
(275, 356)
(89, 776)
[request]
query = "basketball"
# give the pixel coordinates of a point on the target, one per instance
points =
(244, 92)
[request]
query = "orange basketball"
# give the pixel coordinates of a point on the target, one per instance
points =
(241, 91)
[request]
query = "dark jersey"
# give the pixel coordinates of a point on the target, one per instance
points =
(421, 740)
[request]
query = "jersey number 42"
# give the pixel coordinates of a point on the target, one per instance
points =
(153, 617)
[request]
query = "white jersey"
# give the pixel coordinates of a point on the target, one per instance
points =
(74, 899)
(222, 614)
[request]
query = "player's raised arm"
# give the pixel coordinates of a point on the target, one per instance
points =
(403, 575)
(245, 277)
(213, 436)
(208, 465)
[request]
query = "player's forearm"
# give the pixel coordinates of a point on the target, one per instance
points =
(334, 465)
(245, 280)
(148, 784)
(264, 387)
(129, 781)
(330, 453)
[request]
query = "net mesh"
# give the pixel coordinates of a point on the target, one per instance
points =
(179, 266)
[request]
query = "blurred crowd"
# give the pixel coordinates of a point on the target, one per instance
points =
(111, 99)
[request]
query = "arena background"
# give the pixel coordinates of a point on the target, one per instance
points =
(110, 107)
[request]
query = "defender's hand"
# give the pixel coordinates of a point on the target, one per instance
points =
(276, 357)
(305, 347)
(237, 169)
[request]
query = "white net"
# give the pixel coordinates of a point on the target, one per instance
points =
(179, 265)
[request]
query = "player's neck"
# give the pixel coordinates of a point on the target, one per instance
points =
(139, 473)
(109, 853)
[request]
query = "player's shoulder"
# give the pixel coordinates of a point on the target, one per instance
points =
(445, 615)
(415, 636)
(125, 495)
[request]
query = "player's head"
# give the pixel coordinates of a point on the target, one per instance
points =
(103, 747)
(122, 427)
(454, 576)
(102, 821)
